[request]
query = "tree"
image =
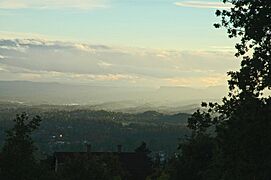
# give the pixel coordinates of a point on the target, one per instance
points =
(242, 137)
(251, 22)
(85, 167)
(145, 161)
(196, 152)
(18, 161)
(143, 149)
(242, 133)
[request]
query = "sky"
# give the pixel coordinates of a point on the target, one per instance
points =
(115, 42)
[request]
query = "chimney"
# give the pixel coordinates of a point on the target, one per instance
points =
(88, 148)
(119, 148)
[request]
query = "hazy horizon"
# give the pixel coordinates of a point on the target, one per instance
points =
(165, 99)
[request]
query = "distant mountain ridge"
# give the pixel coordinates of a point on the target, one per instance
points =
(129, 99)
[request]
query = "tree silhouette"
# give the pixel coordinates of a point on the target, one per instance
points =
(143, 149)
(18, 161)
(146, 161)
(242, 132)
(85, 167)
(242, 137)
(251, 22)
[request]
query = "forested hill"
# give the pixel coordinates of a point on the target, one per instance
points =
(66, 128)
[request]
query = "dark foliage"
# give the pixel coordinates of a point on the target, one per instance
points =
(87, 166)
(145, 152)
(103, 129)
(143, 149)
(240, 139)
(17, 158)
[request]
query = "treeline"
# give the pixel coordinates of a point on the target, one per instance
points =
(18, 160)
(69, 130)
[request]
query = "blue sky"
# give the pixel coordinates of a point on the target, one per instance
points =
(143, 23)
(160, 26)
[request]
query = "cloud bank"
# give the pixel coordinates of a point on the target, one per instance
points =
(52, 4)
(58, 61)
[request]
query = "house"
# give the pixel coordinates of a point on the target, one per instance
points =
(137, 164)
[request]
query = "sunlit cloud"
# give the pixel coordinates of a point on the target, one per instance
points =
(104, 64)
(203, 4)
(15, 48)
(204, 81)
(177, 81)
(52, 4)
(61, 61)
(10, 4)
(84, 47)
(52, 75)
(214, 80)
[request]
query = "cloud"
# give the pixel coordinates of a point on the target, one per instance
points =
(61, 61)
(7, 45)
(200, 4)
(12, 4)
(203, 81)
(104, 64)
(84, 47)
(178, 81)
(223, 48)
(52, 75)
(214, 80)
(3, 69)
(52, 4)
